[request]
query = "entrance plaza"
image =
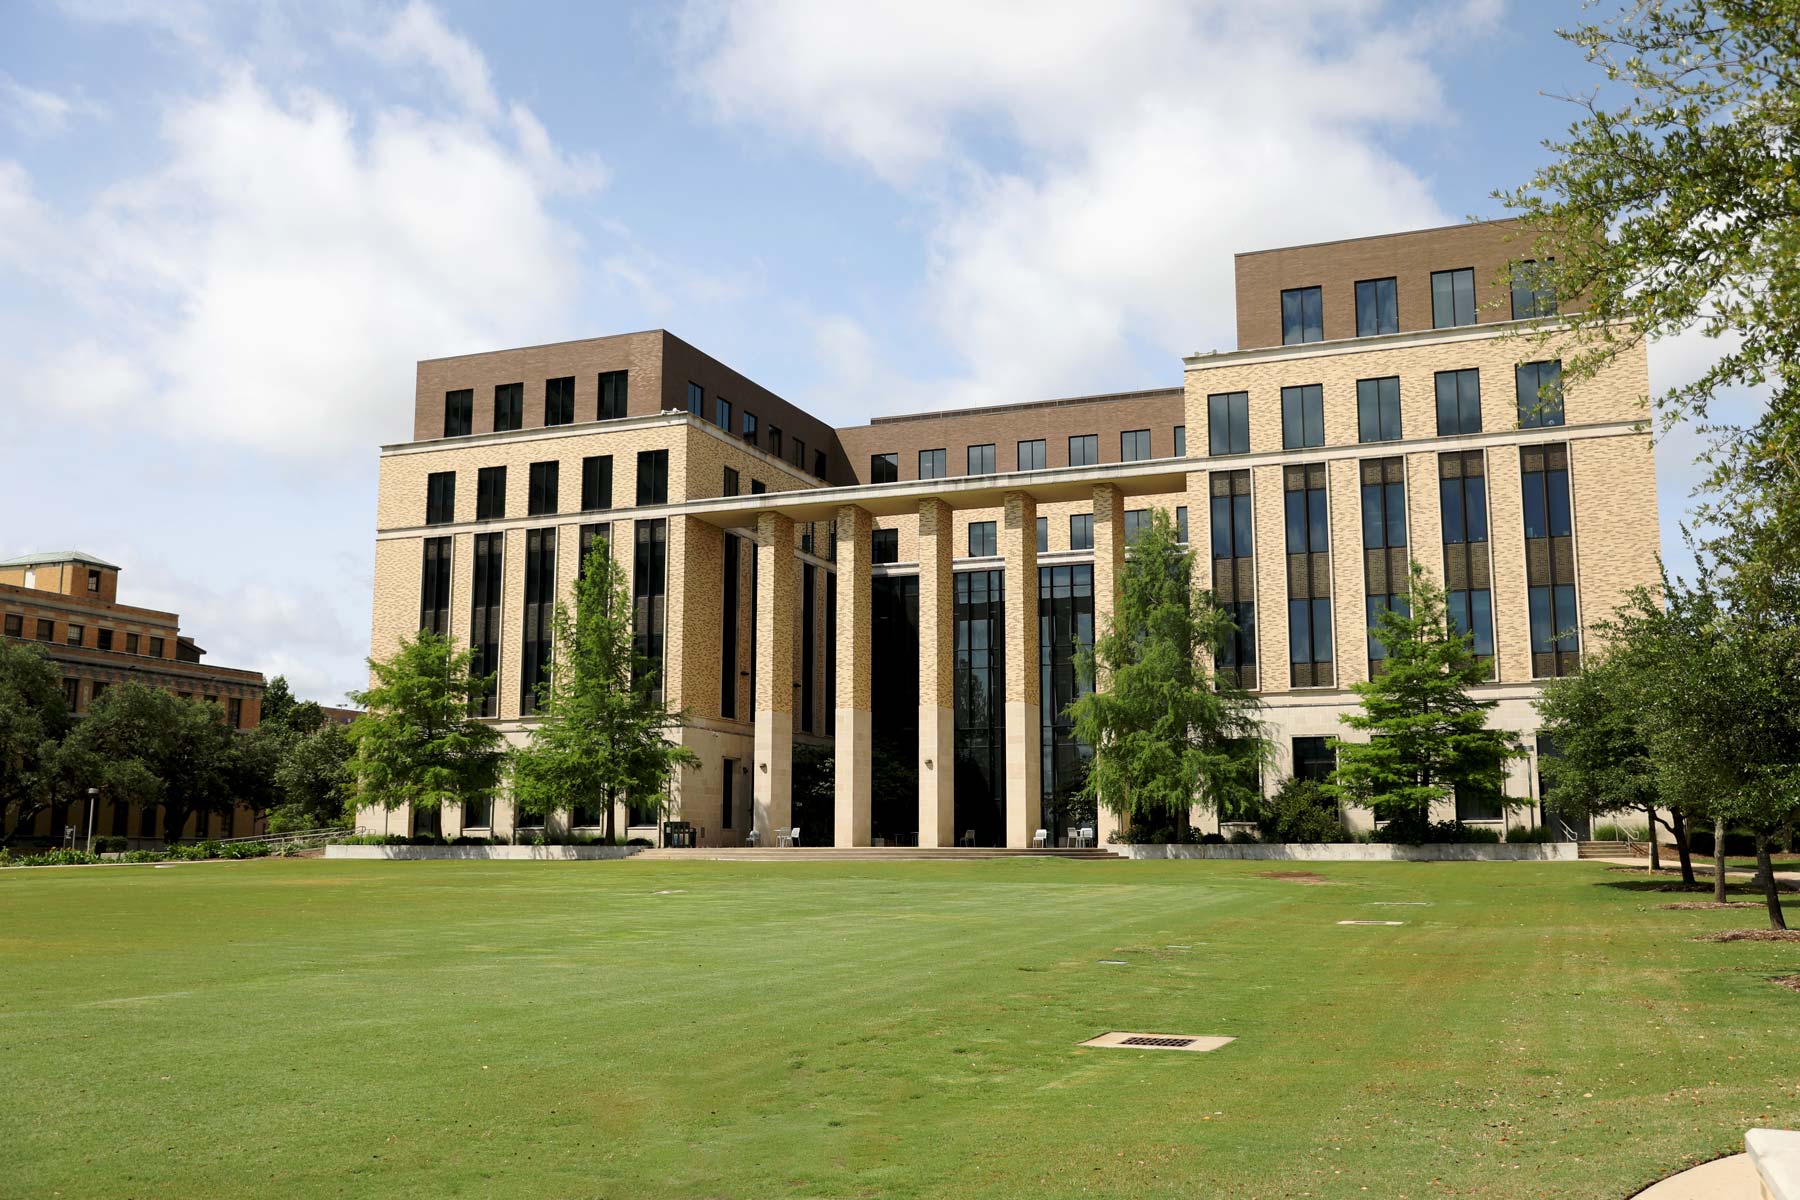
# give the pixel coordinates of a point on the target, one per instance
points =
(909, 596)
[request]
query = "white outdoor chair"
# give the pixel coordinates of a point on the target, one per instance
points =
(1085, 835)
(968, 837)
(790, 837)
(1040, 839)
(751, 838)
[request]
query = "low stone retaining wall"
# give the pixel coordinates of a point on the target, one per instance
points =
(506, 853)
(1363, 852)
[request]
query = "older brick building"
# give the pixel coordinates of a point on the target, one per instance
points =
(910, 592)
(67, 602)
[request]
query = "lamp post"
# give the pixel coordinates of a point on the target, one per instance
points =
(93, 796)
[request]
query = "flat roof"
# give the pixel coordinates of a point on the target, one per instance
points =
(54, 557)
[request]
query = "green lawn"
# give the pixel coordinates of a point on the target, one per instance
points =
(304, 1028)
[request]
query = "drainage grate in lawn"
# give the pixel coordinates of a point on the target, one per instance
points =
(1371, 922)
(1156, 1041)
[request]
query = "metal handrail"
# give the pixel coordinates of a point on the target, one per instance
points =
(1568, 831)
(285, 839)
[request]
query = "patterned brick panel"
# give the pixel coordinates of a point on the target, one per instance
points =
(1506, 544)
(855, 616)
(1612, 484)
(777, 600)
(1268, 511)
(1349, 593)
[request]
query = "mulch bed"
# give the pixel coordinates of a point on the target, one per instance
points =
(1791, 982)
(1752, 935)
(1708, 904)
(1295, 876)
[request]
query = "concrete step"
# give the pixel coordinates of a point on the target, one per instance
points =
(864, 854)
(1603, 850)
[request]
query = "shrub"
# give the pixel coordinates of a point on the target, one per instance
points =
(1300, 811)
(1406, 833)
(1212, 839)
(1538, 833)
(1700, 841)
(111, 845)
(1613, 832)
(1244, 837)
(57, 858)
(638, 841)
(142, 856)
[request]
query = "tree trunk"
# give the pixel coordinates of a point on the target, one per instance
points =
(1681, 846)
(1765, 870)
(1719, 860)
(1655, 857)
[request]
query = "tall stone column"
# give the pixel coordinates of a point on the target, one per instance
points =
(772, 782)
(1109, 574)
(1024, 718)
(855, 729)
(937, 659)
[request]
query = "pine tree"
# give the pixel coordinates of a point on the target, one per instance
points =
(1167, 733)
(602, 734)
(1429, 738)
(417, 744)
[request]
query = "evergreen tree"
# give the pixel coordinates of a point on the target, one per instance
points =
(1166, 731)
(1429, 738)
(417, 743)
(602, 735)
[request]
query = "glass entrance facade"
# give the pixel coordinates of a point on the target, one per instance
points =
(1065, 630)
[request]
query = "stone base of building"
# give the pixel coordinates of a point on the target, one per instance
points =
(1362, 852)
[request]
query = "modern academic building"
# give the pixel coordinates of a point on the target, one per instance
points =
(908, 595)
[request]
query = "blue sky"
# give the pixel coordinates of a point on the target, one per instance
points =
(228, 231)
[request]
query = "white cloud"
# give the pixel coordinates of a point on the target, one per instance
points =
(1090, 169)
(38, 113)
(417, 37)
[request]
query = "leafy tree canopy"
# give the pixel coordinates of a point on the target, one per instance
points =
(417, 744)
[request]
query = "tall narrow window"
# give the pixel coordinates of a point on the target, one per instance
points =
(1385, 565)
(1539, 386)
(509, 407)
(1084, 450)
(649, 572)
(1458, 402)
(729, 487)
(981, 459)
(541, 497)
(1134, 445)
(1181, 524)
(932, 464)
(589, 535)
(1532, 295)
(728, 770)
(749, 428)
(1452, 298)
(559, 401)
(809, 625)
(1302, 416)
(696, 399)
(884, 468)
(596, 482)
(1309, 576)
(490, 493)
(982, 540)
(440, 497)
(774, 443)
(614, 389)
(884, 546)
(1081, 531)
(1228, 423)
(722, 413)
(1181, 441)
(1065, 632)
(818, 467)
(434, 587)
(540, 601)
(1031, 455)
(1462, 489)
(484, 618)
(1043, 535)
(1378, 409)
(979, 720)
(1234, 571)
(459, 412)
(800, 453)
(653, 477)
(1377, 307)
(1302, 316)
(1550, 560)
(728, 643)
(1137, 520)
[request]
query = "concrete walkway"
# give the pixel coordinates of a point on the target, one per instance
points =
(1672, 866)
(1730, 1178)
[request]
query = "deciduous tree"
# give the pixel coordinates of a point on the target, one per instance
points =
(418, 744)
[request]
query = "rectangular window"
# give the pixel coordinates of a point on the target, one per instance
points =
(235, 709)
(800, 453)
(540, 602)
(727, 791)
(818, 467)
(1081, 531)
(1550, 561)
(589, 535)
(106, 639)
(156, 643)
(1084, 450)
(1472, 807)
(1302, 316)
(722, 413)
(1181, 524)
(1134, 445)
(1314, 759)
(559, 401)
(981, 459)
(649, 571)
(653, 477)
(1385, 564)
(1302, 416)
(478, 814)
(884, 468)
(1309, 641)
(809, 624)
(71, 694)
(1539, 386)
(758, 487)
(1377, 307)
(884, 546)
(1043, 535)
(774, 446)
(696, 399)
(1458, 402)
(76, 635)
(1462, 492)
(1065, 609)
(1031, 455)
(509, 407)
(1532, 295)
(1378, 409)
(440, 497)
(750, 428)
(1308, 576)
(541, 496)
(434, 587)
(15, 625)
(614, 391)
(459, 412)
(490, 494)
(93, 581)
(596, 482)
(982, 543)
(1137, 520)
(979, 721)
(131, 642)
(1472, 615)
(1452, 298)
(1228, 423)
(730, 485)
(932, 464)
(1181, 441)
(1233, 571)
(484, 618)
(728, 644)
